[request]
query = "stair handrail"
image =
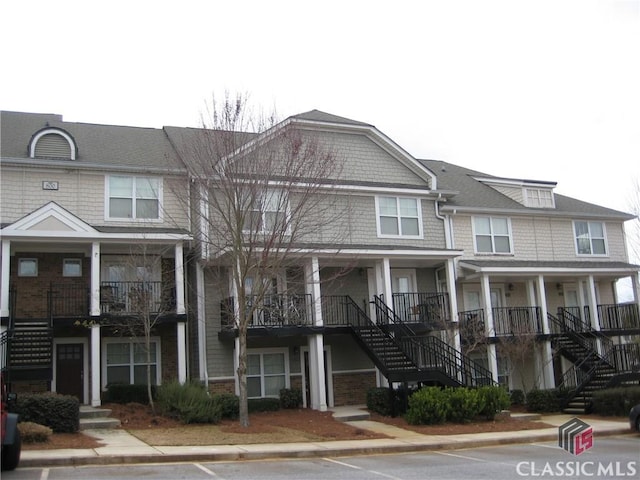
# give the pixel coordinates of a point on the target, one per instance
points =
(584, 339)
(459, 367)
(565, 315)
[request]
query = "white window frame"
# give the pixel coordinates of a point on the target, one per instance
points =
(266, 351)
(270, 193)
(131, 363)
(537, 198)
(71, 261)
(22, 261)
(591, 239)
(492, 235)
(133, 218)
(399, 217)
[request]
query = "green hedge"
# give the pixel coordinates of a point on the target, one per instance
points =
(387, 401)
(263, 404)
(433, 405)
(189, 402)
(229, 405)
(290, 398)
(545, 401)
(517, 397)
(61, 413)
(123, 393)
(615, 401)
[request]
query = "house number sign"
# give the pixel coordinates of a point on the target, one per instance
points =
(49, 185)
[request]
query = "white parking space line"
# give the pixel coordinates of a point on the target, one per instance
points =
(465, 457)
(207, 471)
(355, 467)
(45, 474)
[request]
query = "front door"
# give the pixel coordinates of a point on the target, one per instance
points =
(70, 369)
(403, 285)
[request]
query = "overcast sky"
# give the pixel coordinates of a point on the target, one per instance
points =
(545, 90)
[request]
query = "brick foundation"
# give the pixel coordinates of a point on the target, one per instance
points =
(222, 386)
(351, 388)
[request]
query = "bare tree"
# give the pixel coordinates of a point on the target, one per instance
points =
(264, 197)
(633, 232)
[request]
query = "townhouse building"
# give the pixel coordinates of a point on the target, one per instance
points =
(93, 241)
(431, 273)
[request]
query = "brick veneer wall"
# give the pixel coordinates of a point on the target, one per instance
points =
(351, 388)
(222, 386)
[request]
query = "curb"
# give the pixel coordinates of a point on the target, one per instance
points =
(303, 452)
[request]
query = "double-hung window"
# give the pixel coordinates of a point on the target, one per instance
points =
(590, 238)
(269, 212)
(266, 373)
(134, 197)
(492, 235)
(539, 198)
(399, 217)
(126, 362)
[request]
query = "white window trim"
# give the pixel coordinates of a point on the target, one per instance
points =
(20, 260)
(493, 252)
(131, 341)
(400, 235)
(287, 213)
(261, 351)
(530, 189)
(107, 203)
(604, 233)
(71, 260)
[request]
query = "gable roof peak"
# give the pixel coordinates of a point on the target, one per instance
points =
(320, 116)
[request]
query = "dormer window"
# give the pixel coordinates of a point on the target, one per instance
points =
(539, 198)
(53, 143)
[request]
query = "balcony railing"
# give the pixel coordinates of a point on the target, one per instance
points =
(422, 307)
(274, 310)
(619, 316)
(68, 301)
(516, 320)
(135, 298)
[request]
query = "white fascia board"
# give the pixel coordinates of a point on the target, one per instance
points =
(93, 236)
(525, 271)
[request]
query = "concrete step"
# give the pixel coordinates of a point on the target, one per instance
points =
(350, 413)
(98, 423)
(96, 417)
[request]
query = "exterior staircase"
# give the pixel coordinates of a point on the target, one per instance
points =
(594, 368)
(404, 357)
(92, 418)
(30, 350)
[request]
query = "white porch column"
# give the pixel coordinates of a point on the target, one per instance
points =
(202, 325)
(485, 294)
(95, 279)
(4, 279)
(593, 309)
(96, 386)
(635, 287)
(182, 351)
(386, 281)
(179, 278)
(317, 374)
(451, 288)
(546, 354)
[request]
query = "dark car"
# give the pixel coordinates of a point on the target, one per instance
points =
(634, 418)
(11, 442)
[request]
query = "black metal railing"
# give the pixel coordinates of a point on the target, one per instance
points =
(127, 298)
(516, 320)
(68, 300)
(422, 307)
(572, 319)
(619, 316)
(5, 347)
(472, 326)
(272, 310)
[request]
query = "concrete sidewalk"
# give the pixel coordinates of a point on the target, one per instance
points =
(122, 448)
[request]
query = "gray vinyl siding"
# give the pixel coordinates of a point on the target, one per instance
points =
(219, 353)
(346, 354)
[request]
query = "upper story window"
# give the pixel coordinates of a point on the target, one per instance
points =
(539, 198)
(268, 212)
(135, 198)
(590, 238)
(52, 143)
(492, 235)
(398, 217)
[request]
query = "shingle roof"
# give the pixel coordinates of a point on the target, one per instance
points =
(475, 194)
(318, 116)
(110, 145)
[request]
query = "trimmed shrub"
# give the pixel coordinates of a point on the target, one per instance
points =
(544, 401)
(123, 393)
(189, 402)
(427, 406)
(61, 413)
(229, 405)
(380, 400)
(464, 404)
(290, 398)
(263, 405)
(615, 401)
(493, 399)
(34, 432)
(517, 397)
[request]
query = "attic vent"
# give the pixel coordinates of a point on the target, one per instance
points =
(52, 143)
